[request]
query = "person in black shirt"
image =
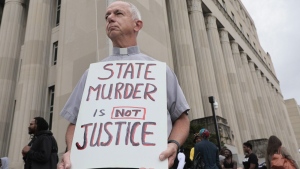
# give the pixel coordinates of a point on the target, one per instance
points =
(228, 162)
(251, 160)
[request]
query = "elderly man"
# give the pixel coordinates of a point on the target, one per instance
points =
(123, 22)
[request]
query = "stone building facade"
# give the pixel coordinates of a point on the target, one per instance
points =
(293, 109)
(212, 46)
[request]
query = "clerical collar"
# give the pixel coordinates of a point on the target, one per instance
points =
(126, 51)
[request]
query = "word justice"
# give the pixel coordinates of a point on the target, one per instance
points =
(131, 136)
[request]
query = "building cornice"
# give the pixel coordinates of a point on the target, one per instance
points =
(224, 12)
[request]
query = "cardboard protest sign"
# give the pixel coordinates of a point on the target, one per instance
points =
(122, 120)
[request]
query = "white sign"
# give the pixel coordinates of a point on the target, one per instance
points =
(122, 120)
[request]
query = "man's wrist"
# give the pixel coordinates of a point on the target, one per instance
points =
(175, 142)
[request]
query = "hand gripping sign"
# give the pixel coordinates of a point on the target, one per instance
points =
(122, 120)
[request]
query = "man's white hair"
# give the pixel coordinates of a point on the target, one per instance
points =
(135, 12)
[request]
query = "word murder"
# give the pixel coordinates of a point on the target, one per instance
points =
(131, 136)
(139, 90)
(122, 91)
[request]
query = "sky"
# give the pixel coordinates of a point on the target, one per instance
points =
(278, 26)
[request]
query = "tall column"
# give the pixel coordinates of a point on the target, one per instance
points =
(226, 101)
(282, 118)
(275, 111)
(272, 106)
(291, 135)
(1, 11)
(10, 46)
(184, 56)
(245, 91)
(203, 56)
(253, 97)
(33, 77)
(234, 87)
(265, 118)
(266, 102)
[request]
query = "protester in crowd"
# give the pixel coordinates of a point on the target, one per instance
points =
(222, 154)
(4, 163)
(208, 151)
(275, 147)
(123, 23)
(41, 152)
(181, 159)
(251, 160)
(197, 139)
(228, 162)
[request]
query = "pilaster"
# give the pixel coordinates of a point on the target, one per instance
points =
(257, 115)
(10, 45)
(33, 76)
(266, 101)
(244, 90)
(234, 87)
(184, 56)
(226, 101)
(263, 109)
(283, 119)
(203, 56)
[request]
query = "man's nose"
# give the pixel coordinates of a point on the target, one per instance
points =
(110, 18)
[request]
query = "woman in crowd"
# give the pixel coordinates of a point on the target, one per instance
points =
(274, 146)
(228, 162)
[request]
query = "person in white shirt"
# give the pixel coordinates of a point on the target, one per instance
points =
(181, 159)
(4, 163)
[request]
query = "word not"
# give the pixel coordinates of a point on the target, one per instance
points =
(105, 128)
(128, 112)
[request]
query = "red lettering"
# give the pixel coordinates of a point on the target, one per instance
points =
(120, 68)
(148, 93)
(85, 140)
(139, 69)
(148, 71)
(129, 70)
(91, 89)
(111, 72)
(119, 131)
(144, 133)
(110, 137)
(132, 133)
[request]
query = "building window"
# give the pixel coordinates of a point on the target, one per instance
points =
(248, 36)
(232, 17)
(224, 5)
(54, 53)
(241, 28)
(58, 12)
(51, 105)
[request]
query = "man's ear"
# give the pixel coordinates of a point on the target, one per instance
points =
(138, 25)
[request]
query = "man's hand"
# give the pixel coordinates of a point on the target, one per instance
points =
(65, 162)
(170, 153)
(25, 150)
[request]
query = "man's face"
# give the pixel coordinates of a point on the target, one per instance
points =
(32, 127)
(198, 139)
(246, 149)
(226, 153)
(119, 22)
